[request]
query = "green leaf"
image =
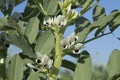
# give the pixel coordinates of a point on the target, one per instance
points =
(101, 22)
(18, 1)
(16, 16)
(32, 29)
(81, 2)
(83, 69)
(33, 76)
(2, 4)
(3, 24)
(68, 64)
(52, 7)
(45, 43)
(113, 65)
(16, 40)
(115, 23)
(82, 29)
(15, 68)
(2, 71)
(98, 12)
(30, 11)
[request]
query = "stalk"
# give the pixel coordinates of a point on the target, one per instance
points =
(58, 57)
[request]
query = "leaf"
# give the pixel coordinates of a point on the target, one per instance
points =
(33, 76)
(18, 1)
(32, 29)
(16, 40)
(115, 23)
(68, 64)
(45, 43)
(15, 68)
(3, 24)
(30, 11)
(2, 71)
(98, 12)
(16, 16)
(113, 63)
(82, 28)
(100, 23)
(83, 69)
(81, 2)
(52, 7)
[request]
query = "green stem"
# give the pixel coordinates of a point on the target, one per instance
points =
(97, 37)
(58, 57)
(42, 9)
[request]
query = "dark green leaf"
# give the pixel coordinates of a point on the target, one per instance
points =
(16, 40)
(16, 16)
(113, 63)
(101, 30)
(68, 64)
(81, 2)
(18, 1)
(32, 29)
(15, 68)
(2, 4)
(98, 12)
(83, 69)
(30, 11)
(45, 43)
(115, 23)
(2, 71)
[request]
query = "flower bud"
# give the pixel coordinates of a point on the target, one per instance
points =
(77, 48)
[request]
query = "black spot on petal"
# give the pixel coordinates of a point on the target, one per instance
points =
(38, 61)
(35, 69)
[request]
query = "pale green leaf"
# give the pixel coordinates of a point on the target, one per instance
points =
(33, 76)
(83, 69)
(16, 40)
(15, 68)
(45, 43)
(113, 63)
(52, 7)
(32, 29)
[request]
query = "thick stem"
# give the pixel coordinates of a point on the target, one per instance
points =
(58, 57)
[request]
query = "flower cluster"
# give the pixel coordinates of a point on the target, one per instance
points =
(65, 6)
(42, 63)
(58, 21)
(69, 42)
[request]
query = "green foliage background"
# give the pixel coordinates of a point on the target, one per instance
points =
(27, 32)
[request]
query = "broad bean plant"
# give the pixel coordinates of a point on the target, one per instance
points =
(39, 33)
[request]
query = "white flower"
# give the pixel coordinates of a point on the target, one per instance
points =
(69, 41)
(60, 20)
(77, 48)
(34, 69)
(40, 59)
(72, 38)
(65, 43)
(72, 12)
(49, 64)
(48, 22)
(44, 60)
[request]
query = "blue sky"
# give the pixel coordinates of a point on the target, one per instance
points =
(100, 48)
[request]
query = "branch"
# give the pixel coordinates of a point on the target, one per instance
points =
(96, 37)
